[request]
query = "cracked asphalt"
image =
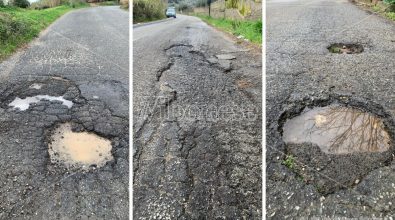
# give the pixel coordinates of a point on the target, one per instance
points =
(301, 72)
(197, 123)
(83, 57)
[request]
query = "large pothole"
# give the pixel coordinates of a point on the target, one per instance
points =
(338, 130)
(333, 147)
(345, 48)
(78, 149)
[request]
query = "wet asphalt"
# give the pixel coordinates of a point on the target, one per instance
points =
(197, 123)
(301, 73)
(83, 57)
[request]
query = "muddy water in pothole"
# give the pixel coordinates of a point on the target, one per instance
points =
(79, 149)
(338, 130)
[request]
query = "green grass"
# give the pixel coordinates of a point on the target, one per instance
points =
(251, 30)
(289, 162)
(383, 11)
(376, 8)
(390, 15)
(108, 3)
(19, 26)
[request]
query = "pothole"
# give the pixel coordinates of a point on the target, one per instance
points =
(78, 149)
(345, 48)
(338, 130)
(23, 104)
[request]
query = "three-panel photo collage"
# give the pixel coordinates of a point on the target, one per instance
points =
(197, 109)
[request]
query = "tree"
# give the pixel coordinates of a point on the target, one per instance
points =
(1, 3)
(21, 3)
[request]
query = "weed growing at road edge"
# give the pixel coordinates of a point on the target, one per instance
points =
(289, 162)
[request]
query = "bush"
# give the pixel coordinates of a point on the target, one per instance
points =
(391, 7)
(232, 4)
(11, 29)
(1, 3)
(148, 10)
(20, 3)
(183, 7)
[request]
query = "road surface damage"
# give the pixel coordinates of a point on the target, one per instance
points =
(39, 157)
(197, 153)
(335, 142)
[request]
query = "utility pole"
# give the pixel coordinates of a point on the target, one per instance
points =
(224, 9)
(209, 7)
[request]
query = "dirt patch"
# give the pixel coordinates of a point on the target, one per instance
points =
(243, 84)
(345, 48)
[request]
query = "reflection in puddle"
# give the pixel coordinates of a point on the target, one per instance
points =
(338, 130)
(23, 104)
(79, 148)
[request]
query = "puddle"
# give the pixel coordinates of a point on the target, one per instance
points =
(345, 48)
(36, 86)
(23, 104)
(79, 149)
(338, 130)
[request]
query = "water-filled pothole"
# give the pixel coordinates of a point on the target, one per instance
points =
(78, 149)
(345, 48)
(338, 130)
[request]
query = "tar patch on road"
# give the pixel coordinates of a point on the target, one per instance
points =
(336, 142)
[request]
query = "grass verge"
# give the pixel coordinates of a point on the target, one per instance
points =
(390, 15)
(250, 30)
(108, 3)
(386, 10)
(19, 26)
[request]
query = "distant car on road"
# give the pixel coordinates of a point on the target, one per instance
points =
(171, 12)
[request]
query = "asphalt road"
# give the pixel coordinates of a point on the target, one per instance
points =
(301, 72)
(83, 57)
(197, 123)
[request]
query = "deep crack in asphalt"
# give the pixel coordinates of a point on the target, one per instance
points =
(197, 150)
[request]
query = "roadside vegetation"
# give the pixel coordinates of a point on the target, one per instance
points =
(19, 25)
(244, 29)
(108, 3)
(289, 162)
(386, 7)
(148, 10)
